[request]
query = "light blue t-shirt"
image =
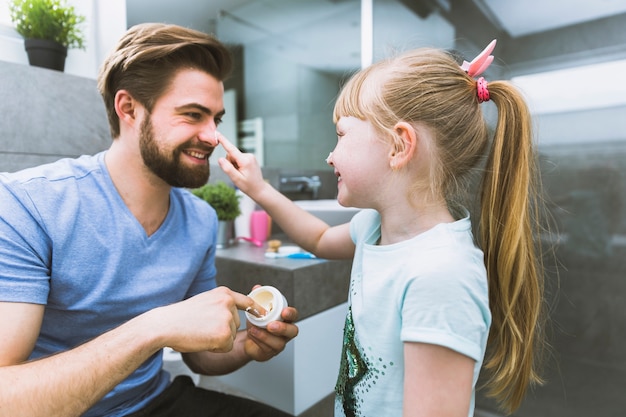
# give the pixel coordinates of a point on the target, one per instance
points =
(68, 241)
(431, 288)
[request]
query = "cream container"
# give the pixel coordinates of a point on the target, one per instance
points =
(271, 300)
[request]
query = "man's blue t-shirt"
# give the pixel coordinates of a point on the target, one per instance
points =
(68, 241)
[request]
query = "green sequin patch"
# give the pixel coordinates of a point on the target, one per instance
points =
(356, 367)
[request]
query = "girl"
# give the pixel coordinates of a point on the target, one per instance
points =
(426, 303)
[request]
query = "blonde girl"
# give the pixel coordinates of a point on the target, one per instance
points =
(429, 305)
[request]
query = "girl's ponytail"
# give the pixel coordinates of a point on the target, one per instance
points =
(509, 219)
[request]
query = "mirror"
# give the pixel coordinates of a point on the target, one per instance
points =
(294, 57)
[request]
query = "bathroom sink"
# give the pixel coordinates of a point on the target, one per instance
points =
(328, 210)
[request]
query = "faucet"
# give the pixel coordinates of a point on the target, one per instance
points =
(301, 184)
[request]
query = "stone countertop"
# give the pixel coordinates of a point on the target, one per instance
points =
(310, 285)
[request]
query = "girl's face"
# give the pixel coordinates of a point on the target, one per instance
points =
(361, 163)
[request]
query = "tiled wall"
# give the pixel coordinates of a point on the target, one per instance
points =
(296, 104)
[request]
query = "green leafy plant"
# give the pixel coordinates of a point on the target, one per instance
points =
(222, 197)
(48, 19)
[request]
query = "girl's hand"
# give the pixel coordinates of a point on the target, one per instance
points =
(242, 168)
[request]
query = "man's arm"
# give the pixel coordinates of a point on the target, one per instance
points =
(19, 327)
(69, 383)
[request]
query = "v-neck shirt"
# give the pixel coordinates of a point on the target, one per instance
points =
(69, 242)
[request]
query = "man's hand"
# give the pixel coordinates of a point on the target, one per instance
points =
(205, 322)
(263, 344)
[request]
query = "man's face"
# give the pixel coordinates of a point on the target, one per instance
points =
(167, 164)
(178, 137)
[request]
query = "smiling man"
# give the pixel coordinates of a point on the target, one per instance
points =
(107, 259)
(187, 165)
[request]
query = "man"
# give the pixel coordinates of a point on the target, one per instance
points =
(105, 259)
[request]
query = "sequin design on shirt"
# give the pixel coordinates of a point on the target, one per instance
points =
(351, 369)
(357, 373)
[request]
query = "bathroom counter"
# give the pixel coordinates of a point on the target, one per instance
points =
(310, 285)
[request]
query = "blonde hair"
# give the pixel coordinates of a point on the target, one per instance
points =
(426, 87)
(147, 58)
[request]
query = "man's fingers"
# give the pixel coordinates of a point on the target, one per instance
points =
(289, 314)
(248, 304)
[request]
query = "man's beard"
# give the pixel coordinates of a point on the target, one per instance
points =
(169, 167)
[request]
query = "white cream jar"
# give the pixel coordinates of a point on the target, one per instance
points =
(271, 300)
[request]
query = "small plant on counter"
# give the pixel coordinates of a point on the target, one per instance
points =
(222, 197)
(52, 20)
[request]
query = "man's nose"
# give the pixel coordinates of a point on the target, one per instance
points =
(209, 135)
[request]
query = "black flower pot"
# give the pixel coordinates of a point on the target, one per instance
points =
(46, 54)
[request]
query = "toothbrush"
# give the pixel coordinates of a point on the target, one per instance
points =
(296, 255)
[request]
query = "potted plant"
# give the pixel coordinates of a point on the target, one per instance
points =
(224, 199)
(49, 29)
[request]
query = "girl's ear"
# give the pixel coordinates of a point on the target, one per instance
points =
(404, 149)
(125, 107)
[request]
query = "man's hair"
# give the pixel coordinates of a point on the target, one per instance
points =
(148, 57)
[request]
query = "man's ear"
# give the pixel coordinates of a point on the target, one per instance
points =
(404, 149)
(125, 107)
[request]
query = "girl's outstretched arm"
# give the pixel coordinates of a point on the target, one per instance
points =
(303, 228)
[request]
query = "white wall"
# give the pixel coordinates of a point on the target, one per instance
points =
(581, 127)
(105, 23)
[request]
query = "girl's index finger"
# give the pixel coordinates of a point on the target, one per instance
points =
(226, 144)
(232, 154)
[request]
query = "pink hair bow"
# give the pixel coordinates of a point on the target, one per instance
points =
(481, 62)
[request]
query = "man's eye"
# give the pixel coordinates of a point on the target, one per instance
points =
(194, 115)
(218, 120)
